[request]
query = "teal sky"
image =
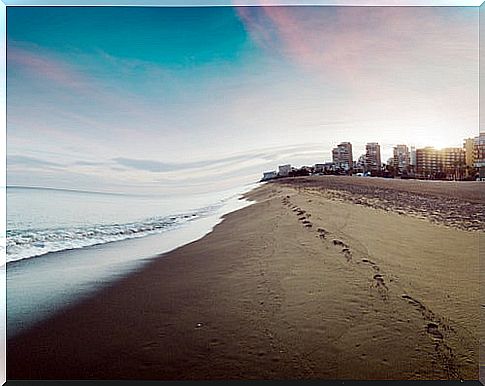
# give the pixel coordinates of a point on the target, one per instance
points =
(175, 37)
(177, 99)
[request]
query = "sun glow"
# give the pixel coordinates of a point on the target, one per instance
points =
(437, 140)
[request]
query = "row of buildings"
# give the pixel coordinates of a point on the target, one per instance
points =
(453, 163)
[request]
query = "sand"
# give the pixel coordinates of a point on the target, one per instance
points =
(299, 285)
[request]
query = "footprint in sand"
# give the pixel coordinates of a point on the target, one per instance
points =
(414, 302)
(381, 286)
(427, 314)
(379, 279)
(340, 243)
(345, 249)
(348, 254)
(322, 233)
(433, 329)
(307, 223)
(374, 266)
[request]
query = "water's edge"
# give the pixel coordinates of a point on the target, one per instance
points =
(40, 287)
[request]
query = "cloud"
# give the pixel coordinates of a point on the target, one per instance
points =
(88, 163)
(76, 82)
(146, 165)
(355, 42)
(248, 161)
(13, 160)
(160, 167)
(42, 66)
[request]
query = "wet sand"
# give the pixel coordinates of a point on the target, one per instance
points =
(303, 284)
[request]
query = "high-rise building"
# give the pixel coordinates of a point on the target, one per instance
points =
(454, 161)
(428, 161)
(412, 156)
(479, 155)
(469, 146)
(442, 163)
(474, 149)
(373, 157)
(401, 157)
(479, 150)
(342, 156)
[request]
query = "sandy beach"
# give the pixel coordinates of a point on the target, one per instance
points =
(321, 278)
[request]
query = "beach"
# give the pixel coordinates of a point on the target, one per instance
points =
(320, 278)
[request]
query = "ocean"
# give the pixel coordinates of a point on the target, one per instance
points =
(62, 245)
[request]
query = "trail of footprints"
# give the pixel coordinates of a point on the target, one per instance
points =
(434, 326)
(303, 218)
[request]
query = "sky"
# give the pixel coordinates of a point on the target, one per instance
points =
(189, 3)
(194, 99)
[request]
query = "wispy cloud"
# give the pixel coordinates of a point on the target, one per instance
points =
(88, 163)
(159, 167)
(130, 172)
(354, 42)
(213, 166)
(14, 160)
(44, 67)
(80, 84)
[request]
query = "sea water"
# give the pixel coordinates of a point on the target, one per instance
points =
(63, 245)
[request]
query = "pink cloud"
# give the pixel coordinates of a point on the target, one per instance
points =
(42, 66)
(347, 42)
(61, 75)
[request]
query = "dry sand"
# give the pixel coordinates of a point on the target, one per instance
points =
(302, 284)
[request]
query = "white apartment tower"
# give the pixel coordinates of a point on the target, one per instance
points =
(373, 157)
(401, 156)
(342, 156)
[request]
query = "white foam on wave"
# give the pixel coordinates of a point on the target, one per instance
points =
(24, 244)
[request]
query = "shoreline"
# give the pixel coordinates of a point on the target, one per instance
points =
(272, 293)
(41, 286)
